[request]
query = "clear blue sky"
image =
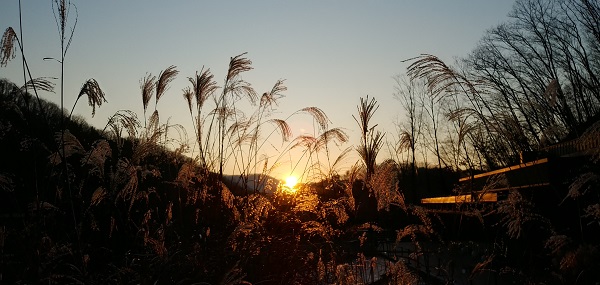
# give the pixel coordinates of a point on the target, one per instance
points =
(331, 53)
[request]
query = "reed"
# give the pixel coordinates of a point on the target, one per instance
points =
(371, 140)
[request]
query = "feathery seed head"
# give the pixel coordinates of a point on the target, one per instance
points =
(237, 65)
(96, 157)
(319, 116)
(278, 87)
(62, 9)
(204, 86)
(70, 145)
(153, 122)
(188, 95)
(147, 84)
(335, 134)
(41, 83)
(284, 129)
(440, 77)
(124, 119)
(164, 78)
(305, 141)
(7, 49)
(270, 98)
(95, 95)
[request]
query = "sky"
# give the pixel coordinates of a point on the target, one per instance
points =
(330, 52)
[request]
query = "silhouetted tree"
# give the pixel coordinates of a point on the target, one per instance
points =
(409, 94)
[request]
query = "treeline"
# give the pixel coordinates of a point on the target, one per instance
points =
(529, 83)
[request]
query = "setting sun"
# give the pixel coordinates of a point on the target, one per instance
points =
(291, 181)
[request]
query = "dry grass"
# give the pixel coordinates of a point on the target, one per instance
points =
(147, 85)
(62, 13)
(127, 199)
(68, 144)
(164, 78)
(284, 129)
(203, 87)
(270, 99)
(441, 79)
(318, 115)
(371, 140)
(7, 46)
(41, 83)
(95, 95)
(237, 65)
(123, 120)
(312, 154)
(399, 273)
(97, 156)
(517, 213)
(384, 184)
(227, 138)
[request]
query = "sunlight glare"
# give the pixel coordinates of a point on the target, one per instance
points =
(291, 181)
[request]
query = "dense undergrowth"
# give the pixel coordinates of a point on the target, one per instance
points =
(131, 217)
(160, 217)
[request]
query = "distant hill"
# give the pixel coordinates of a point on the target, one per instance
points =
(255, 183)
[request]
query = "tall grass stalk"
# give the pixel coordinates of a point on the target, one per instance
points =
(61, 11)
(7, 51)
(240, 140)
(371, 140)
(22, 44)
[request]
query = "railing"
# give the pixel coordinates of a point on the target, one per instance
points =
(528, 174)
(574, 146)
(477, 197)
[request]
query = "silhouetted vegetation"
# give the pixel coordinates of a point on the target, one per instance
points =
(134, 203)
